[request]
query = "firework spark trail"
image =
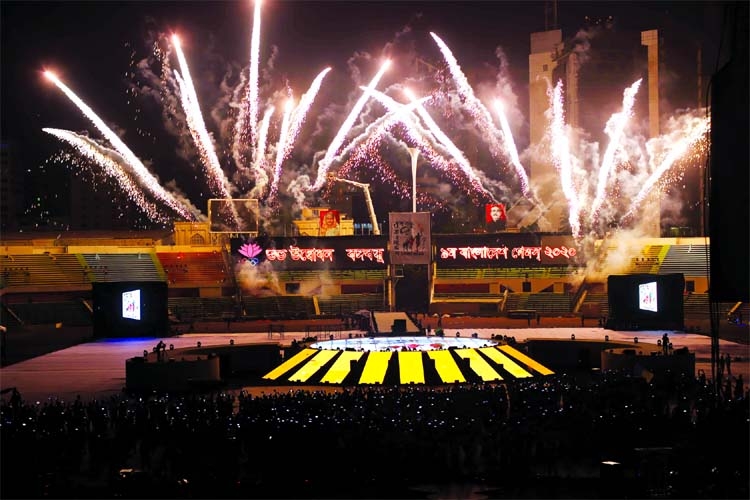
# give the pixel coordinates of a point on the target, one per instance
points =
(478, 110)
(254, 66)
(615, 128)
(379, 127)
(141, 172)
(368, 155)
(510, 144)
(281, 147)
(292, 123)
(103, 157)
(561, 158)
(261, 178)
(679, 146)
(443, 139)
(216, 178)
(300, 112)
(338, 140)
(419, 137)
(238, 146)
(249, 109)
(404, 113)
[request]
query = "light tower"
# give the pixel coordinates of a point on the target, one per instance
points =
(414, 153)
(542, 174)
(651, 214)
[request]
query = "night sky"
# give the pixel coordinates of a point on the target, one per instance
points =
(93, 46)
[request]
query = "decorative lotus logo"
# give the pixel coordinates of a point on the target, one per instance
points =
(251, 252)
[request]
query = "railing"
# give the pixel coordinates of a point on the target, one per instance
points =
(579, 297)
(504, 301)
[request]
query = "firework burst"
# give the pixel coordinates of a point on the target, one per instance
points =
(257, 153)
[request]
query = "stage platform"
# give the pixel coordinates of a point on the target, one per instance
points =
(405, 360)
(403, 343)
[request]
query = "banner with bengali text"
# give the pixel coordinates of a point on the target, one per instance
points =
(309, 253)
(505, 250)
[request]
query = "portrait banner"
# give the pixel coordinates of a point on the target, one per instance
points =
(495, 217)
(329, 223)
(410, 237)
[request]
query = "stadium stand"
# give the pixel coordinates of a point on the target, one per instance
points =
(191, 268)
(121, 267)
(203, 282)
(690, 260)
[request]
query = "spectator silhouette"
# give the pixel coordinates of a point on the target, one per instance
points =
(228, 450)
(728, 388)
(739, 387)
(3, 343)
(160, 349)
(15, 399)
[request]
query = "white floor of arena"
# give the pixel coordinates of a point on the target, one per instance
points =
(97, 368)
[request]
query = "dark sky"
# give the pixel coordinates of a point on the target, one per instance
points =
(91, 46)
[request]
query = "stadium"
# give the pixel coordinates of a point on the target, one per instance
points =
(241, 330)
(249, 304)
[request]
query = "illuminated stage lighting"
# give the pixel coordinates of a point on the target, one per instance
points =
(406, 360)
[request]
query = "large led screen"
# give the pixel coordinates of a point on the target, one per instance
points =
(131, 304)
(130, 309)
(646, 302)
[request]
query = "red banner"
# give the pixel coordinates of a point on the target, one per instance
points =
(329, 223)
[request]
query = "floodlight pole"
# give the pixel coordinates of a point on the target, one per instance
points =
(414, 153)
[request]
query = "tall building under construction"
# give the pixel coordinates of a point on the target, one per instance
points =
(595, 66)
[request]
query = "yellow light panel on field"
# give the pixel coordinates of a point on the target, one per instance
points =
(311, 367)
(446, 367)
(534, 365)
(507, 363)
(341, 367)
(410, 367)
(289, 364)
(375, 368)
(479, 365)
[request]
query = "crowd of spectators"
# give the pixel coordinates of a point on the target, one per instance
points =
(385, 441)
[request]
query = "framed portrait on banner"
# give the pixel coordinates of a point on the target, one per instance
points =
(410, 237)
